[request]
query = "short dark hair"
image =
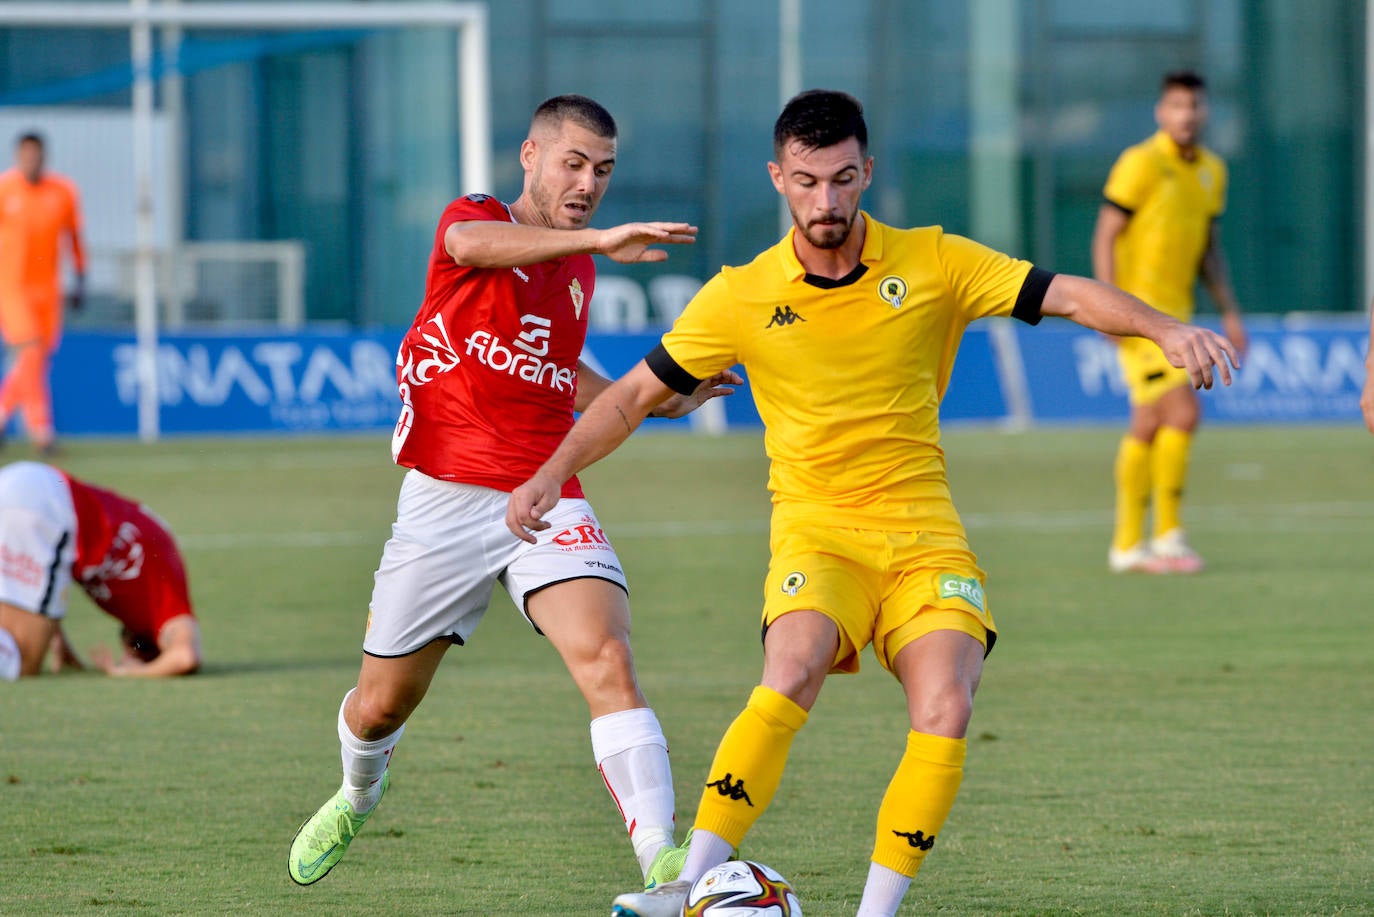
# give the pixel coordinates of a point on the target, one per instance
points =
(819, 118)
(578, 109)
(1182, 79)
(30, 137)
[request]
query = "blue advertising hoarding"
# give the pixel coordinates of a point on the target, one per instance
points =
(321, 380)
(1305, 371)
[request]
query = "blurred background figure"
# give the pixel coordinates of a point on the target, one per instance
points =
(1156, 236)
(56, 530)
(37, 209)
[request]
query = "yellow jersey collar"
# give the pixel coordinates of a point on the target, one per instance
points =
(1171, 149)
(871, 254)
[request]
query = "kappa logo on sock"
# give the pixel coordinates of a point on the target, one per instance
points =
(727, 786)
(917, 840)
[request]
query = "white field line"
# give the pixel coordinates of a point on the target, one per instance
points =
(1356, 517)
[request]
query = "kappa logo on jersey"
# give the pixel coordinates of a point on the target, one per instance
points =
(783, 315)
(892, 289)
(575, 291)
(586, 535)
(123, 562)
(533, 339)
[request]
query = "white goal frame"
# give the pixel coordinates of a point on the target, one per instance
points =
(140, 17)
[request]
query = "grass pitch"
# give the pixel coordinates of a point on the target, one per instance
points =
(1181, 746)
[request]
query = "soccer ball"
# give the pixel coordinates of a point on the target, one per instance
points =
(741, 888)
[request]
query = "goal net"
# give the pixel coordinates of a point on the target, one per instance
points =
(117, 125)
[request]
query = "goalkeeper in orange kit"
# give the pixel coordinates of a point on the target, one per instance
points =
(37, 209)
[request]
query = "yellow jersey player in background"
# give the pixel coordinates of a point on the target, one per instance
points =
(1156, 235)
(848, 331)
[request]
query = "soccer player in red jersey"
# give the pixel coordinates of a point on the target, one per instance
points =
(56, 530)
(489, 377)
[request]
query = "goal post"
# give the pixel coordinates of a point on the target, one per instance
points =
(141, 17)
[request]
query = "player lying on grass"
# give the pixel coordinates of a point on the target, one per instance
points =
(56, 530)
(848, 330)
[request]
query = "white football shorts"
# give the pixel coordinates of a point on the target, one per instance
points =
(449, 546)
(37, 538)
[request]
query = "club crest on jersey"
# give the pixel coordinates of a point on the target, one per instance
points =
(575, 291)
(892, 289)
(793, 582)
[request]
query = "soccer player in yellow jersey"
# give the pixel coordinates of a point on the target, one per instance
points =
(1156, 234)
(848, 331)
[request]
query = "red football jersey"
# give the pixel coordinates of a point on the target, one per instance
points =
(127, 561)
(488, 371)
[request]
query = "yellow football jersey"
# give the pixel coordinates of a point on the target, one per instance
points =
(1172, 202)
(848, 374)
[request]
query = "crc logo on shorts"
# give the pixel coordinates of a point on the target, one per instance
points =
(892, 289)
(962, 587)
(793, 582)
(585, 536)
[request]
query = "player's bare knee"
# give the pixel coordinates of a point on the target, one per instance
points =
(379, 713)
(946, 713)
(607, 675)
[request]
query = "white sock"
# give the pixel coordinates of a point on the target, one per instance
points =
(363, 763)
(707, 850)
(11, 664)
(883, 892)
(632, 755)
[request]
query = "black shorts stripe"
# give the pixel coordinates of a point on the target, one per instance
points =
(669, 372)
(1032, 295)
(52, 574)
(569, 579)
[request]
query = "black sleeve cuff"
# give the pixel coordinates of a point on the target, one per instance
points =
(1111, 203)
(1032, 295)
(670, 373)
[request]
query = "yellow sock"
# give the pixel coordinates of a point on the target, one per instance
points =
(918, 801)
(1132, 492)
(748, 765)
(1169, 471)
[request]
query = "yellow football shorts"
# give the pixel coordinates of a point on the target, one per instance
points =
(1148, 373)
(879, 587)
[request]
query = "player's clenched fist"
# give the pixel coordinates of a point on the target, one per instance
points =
(527, 505)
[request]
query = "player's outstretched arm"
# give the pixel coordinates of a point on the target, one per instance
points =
(178, 653)
(492, 244)
(1367, 398)
(606, 423)
(1203, 353)
(718, 386)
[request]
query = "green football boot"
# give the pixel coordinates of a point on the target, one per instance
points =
(667, 864)
(321, 841)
